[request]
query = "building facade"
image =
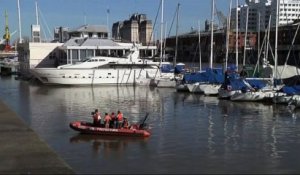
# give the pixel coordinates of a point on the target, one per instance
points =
(136, 29)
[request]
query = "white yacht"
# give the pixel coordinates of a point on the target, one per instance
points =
(100, 70)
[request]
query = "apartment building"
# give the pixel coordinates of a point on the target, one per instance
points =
(260, 12)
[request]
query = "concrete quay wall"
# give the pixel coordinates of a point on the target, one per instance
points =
(22, 151)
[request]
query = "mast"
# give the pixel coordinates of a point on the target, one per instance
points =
(246, 34)
(199, 43)
(258, 37)
(161, 29)
(19, 17)
(276, 41)
(236, 36)
(212, 33)
(176, 45)
(164, 43)
(227, 35)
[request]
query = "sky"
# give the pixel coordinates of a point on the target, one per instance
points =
(74, 13)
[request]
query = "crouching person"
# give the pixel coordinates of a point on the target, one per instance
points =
(107, 120)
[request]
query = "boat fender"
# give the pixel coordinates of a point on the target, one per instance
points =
(229, 88)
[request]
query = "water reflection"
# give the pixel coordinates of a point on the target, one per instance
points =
(108, 144)
(134, 102)
(191, 133)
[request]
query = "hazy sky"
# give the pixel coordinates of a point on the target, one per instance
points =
(74, 13)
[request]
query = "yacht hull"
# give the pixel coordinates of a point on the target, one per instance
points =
(90, 76)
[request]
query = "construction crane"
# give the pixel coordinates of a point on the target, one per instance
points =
(6, 36)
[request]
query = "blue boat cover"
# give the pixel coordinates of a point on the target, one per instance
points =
(214, 75)
(179, 68)
(169, 68)
(291, 90)
(166, 68)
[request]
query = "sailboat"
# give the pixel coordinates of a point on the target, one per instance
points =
(266, 92)
(166, 76)
(215, 76)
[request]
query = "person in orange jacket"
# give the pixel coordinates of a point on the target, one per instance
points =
(119, 119)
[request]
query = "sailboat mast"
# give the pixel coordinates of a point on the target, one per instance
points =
(258, 37)
(246, 34)
(176, 45)
(212, 33)
(227, 35)
(161, 29)
(276, 41)
(236, 36)
(199, 45)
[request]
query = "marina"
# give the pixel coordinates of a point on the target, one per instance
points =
(220, 99)
(190, 133)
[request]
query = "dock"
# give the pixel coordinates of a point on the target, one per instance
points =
(22, 151)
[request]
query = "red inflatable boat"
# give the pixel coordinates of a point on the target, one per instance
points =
(89, 128)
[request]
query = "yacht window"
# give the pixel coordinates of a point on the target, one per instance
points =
(64, 76)
(70, 77)
(100, 77)
(89, 77)
(109, 73)
(83, 77)
(75, 77)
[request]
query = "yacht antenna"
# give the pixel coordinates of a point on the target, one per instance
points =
(107, 22)
(36, 13)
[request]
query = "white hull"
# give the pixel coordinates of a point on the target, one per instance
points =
(167, 83)
(194, 88)
(248, 96)
(210, 89)
(90, 76)
(295, 101)
(226, 94)
(282, 98)
(165, 80)
(181, 87)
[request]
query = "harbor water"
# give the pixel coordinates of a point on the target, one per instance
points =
(191, 133)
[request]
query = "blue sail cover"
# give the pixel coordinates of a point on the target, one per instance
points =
(291, 90)
(167, 68)
(179, 68)
(238, 83)
(214, 75)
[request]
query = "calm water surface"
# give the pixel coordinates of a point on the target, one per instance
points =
(190, 133)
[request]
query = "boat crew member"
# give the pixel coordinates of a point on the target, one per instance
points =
(119, 119)
(113, 120)
(107, 120)
(97, 118)
(125, 123)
